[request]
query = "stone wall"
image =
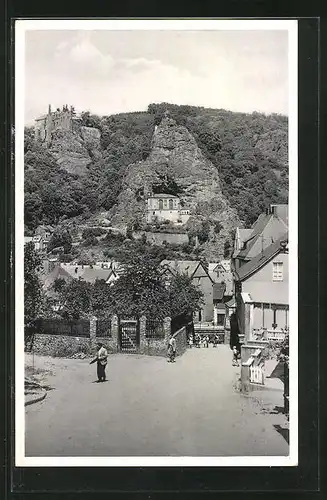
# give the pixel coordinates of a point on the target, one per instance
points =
(111, 342)
(68, 346)
(61, 345)
(159, 238)
(154, 346)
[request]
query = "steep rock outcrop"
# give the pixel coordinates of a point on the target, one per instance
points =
(74, 151)
(175, 153)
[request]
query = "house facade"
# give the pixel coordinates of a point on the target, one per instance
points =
(166, 207)
(262, 293)
(268, 228)
(200, 277)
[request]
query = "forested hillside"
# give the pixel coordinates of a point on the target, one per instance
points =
(249, 152)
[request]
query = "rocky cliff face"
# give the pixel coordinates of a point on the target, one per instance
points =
(74, 151)
(175, 153)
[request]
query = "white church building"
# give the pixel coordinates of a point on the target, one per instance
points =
(162, 206)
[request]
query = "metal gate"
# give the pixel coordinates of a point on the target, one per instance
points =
(129, 335)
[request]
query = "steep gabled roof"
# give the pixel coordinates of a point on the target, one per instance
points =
(268, 228)
(257, 230)
(188, 267)
(57, 273)
(181, 266)
(260, 260)
(91, 274)
(244, 233)
(212, 266)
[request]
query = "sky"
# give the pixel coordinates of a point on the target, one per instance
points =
(108, 72)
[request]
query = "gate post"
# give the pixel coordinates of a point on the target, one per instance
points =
(93, 332)
(143, 341)
(245, 377)
(114, 332)
(227, 336)
(167, 329)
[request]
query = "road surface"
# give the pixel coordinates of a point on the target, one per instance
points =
(149, 407)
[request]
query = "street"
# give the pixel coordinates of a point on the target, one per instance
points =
(149, 407)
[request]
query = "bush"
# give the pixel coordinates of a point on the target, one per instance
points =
(91, 241)
(92, 231)
(66, 257)
(85, 261)
(114, 238)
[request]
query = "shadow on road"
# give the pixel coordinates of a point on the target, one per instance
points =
(283, 431)
(274, 411)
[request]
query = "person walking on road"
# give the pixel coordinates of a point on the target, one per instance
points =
(172, 349)
(101, 359)
(235, 356)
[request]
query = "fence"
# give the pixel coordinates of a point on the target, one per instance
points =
(252, 370)
(80, 328)
(271, 335)
(103, 328)
(154, 329)
(257, 375)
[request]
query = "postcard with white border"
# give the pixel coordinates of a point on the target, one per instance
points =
(156, 237)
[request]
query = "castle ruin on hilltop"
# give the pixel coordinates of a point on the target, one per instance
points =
(65, 119)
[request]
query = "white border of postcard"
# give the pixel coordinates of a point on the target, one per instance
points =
(21, 26)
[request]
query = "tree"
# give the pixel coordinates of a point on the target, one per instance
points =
(140, 289)
(227, 249)
(75, 298)
(61, 238)
(101, 299)
(32, 288)
(184, 297)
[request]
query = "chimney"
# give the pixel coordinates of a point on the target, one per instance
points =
(49, 109)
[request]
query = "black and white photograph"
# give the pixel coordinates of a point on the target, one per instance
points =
(156, 241)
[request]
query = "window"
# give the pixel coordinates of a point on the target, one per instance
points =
(277, 271)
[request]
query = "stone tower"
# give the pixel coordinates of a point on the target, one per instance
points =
(65, 119)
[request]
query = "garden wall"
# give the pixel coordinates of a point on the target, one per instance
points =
(153, 342)
(159, 238)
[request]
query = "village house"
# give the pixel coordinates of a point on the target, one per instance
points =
(48, 264)
(45, 231)
(165, 207)
(91, 274)
(266, 230)
(221, 272)
(219, 308)
(200, 277)
(261, 292)
(107, 271)
(40, 239)
(39, 243)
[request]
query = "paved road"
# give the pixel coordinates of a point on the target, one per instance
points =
(150, 408)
